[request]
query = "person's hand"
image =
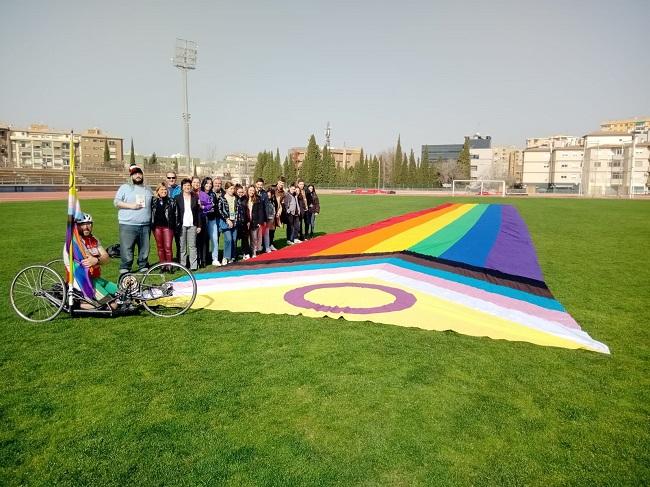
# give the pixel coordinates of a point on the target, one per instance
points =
(230, 223)
(316, 214)
(198, 230)
(90, 261)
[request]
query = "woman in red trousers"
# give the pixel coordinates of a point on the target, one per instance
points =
(163, 222)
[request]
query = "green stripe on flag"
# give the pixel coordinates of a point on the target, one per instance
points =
(438, 243)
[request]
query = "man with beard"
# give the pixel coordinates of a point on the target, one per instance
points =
(133, 201)
(97, 257)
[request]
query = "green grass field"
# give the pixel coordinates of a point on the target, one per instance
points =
(251, 399)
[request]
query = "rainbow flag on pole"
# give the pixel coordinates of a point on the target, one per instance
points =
(77, 274)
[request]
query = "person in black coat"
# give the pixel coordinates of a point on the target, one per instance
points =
(188, 223)
(163, 222)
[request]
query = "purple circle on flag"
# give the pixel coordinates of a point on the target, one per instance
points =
(403, 300)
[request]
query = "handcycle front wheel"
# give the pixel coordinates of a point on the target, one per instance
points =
(37, 294)
(177, 285)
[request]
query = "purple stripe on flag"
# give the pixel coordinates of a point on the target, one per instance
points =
(513, 251)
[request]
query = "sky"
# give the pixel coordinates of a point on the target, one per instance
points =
(270, 74)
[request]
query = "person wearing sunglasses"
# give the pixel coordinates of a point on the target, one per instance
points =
(173, 188)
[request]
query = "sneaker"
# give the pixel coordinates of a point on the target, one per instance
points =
(216, 263)
(153, 293)
(124, 271)
(143, 269)
(268, 251)
(289, 242)
(246, 257)
(297, 241)
(273, 248)
(224, 261)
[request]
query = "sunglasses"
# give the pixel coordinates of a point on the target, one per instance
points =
(174, 177)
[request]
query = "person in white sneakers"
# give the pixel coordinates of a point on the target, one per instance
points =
(292, 210)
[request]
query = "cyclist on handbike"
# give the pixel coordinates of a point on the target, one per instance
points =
(104, 290)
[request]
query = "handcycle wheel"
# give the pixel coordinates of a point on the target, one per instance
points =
(58, 266)
(37, 293)
(177, 285)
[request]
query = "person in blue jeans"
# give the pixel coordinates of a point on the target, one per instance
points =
(228, 223)
(133, 201)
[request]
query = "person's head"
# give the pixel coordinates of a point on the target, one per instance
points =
(161, 190)
(85, 225)
(186, 185)
(281, 182)
(216, 184)
(251, 192)
(270, 192)
(137, 177)
(301, 184)
(239, 190)
(196, 184)
(259, 184)
(171, 178)
(311, 188)
(206, 184)
(292, 188)
(230, 188)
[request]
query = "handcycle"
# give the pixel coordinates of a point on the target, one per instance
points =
(39, 293)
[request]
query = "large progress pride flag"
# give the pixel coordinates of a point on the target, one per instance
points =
(470, 268)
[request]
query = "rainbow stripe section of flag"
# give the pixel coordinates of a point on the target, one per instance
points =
(77, 274)
(467, 268)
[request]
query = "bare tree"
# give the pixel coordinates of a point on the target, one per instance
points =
(448, 170)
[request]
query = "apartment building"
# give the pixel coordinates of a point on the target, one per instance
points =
(535, 167)
(93, 143)
(39, 147)
(344, 157)
(565, 168)
(553, 141)
(507, 163)
(615, 163)
(638, 124)
(5, 146)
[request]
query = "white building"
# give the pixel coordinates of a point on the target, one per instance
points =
(536, 165)
(613, 161)
(553, 141)
(565, 169)
(40, 147)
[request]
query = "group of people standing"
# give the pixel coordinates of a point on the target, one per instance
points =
(197, 212)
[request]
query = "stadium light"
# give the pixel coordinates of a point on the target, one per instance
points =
(185, 59)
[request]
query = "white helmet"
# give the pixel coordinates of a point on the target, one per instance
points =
(86, 218)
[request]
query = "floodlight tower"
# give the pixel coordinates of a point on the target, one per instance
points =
(185, 59)
(328, 133)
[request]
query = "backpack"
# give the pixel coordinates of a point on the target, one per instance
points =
(270, 209)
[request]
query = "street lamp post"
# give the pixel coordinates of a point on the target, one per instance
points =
(185, 59)
(631, 189)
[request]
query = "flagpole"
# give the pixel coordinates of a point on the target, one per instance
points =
(72, 195)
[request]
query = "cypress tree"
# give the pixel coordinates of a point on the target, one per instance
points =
(153, 159)
(259, 166)
(463, 162)
(285, 167)
(132, 158)
(397, 164)
(311, 170)
(374, 172)
(412, 168)
(107, 153)
(291, 174)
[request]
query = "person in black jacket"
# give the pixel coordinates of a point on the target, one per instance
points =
(242, 221)
(163, 222)
(188, 222)
(256, 218)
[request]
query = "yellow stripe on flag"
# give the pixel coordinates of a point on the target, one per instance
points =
(408, 238)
